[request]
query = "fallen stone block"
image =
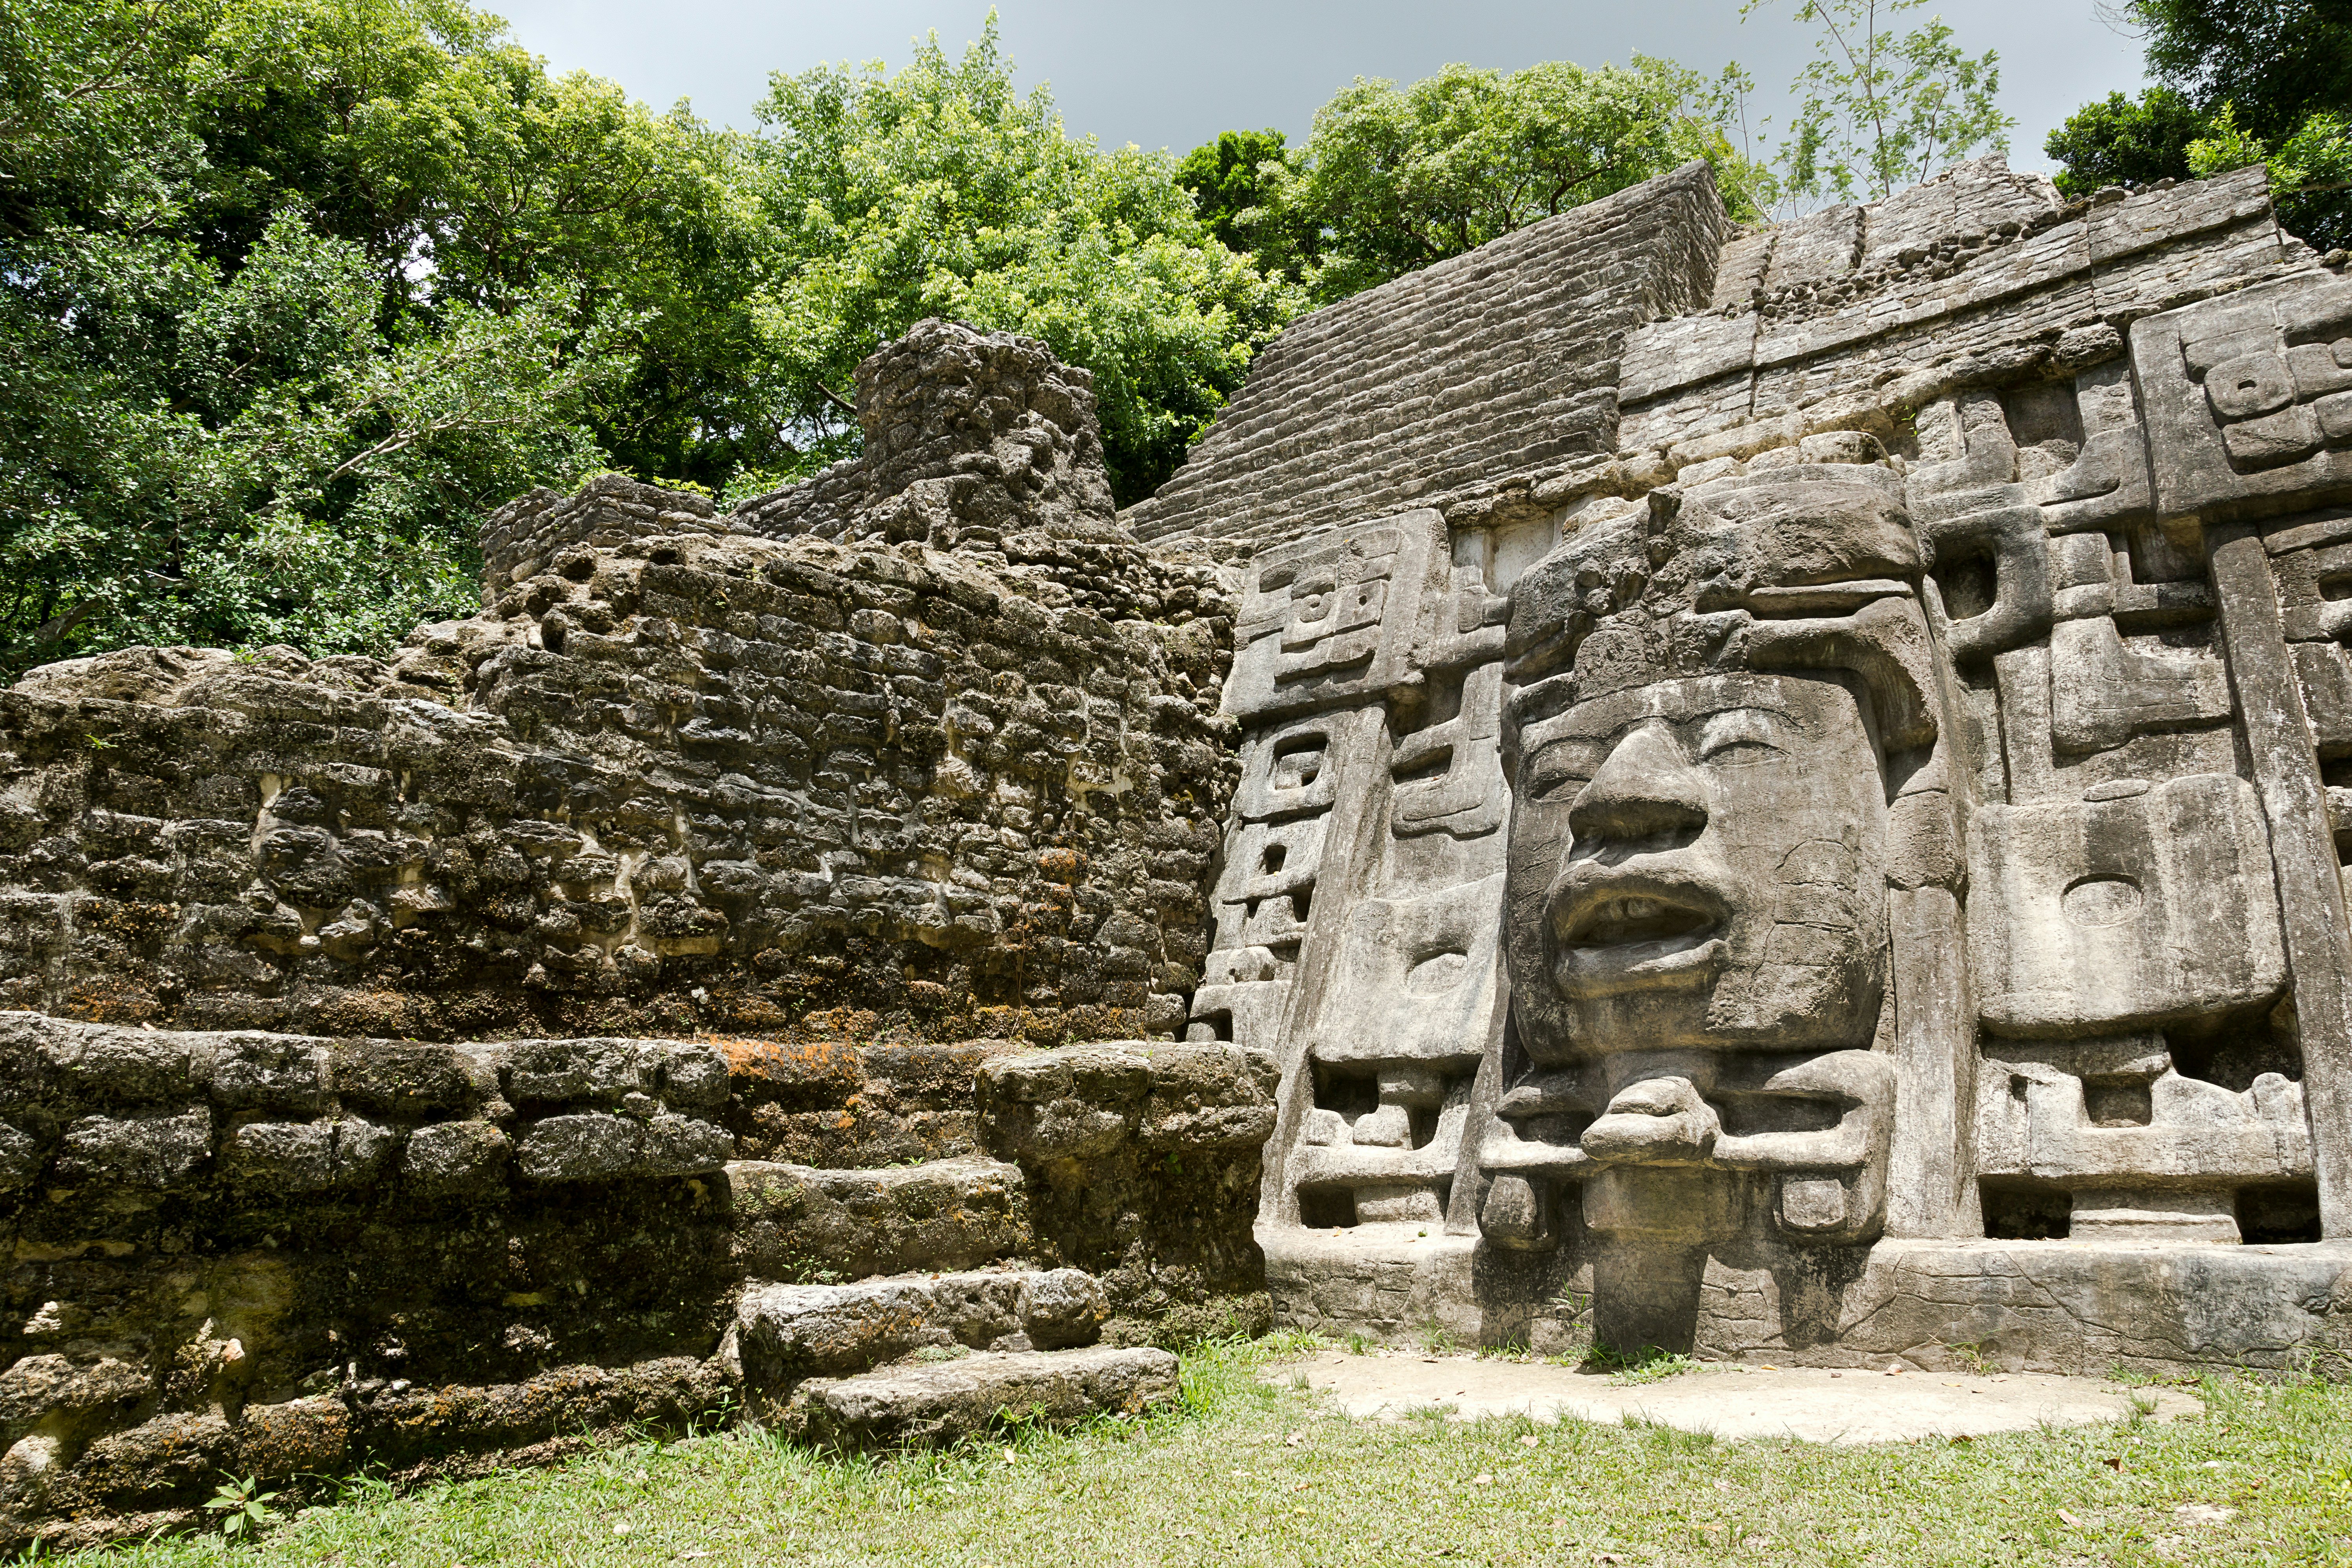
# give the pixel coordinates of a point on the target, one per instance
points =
(787, 1332)
(931, 1406)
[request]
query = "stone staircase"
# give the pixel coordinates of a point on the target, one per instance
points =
(913, 1359)
(920, 1302)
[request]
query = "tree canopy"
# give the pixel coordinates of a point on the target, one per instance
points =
(1393, 178)
(293, 291)
(939, 190)
(1879, 109)
(271, 332)
(2240, 82)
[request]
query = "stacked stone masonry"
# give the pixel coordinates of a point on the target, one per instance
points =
(432, 1062)
(1617, 998)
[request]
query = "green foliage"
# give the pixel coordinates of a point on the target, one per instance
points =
(1236, 182)
(2311, 168)
(2244, 81)
(293, 291)
(1878, 110)
(1394, 178)
(242, 1507)
(2119, 141)
(2278, 61)
(939, 191)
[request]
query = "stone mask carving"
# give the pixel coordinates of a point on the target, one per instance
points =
(1719, 712)
(1699, 863)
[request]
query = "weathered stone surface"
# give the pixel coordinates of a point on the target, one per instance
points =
(347, 1103)
(957, 778)
(1776, 792)
(794, 1221)
(1143, 1162)
(1497, 361)
(1877, 798)
(931, 1406)
(787, 1332)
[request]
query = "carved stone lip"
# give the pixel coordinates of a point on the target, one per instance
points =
(1625, 927)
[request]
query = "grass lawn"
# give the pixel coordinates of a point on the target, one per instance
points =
(1250, 1473)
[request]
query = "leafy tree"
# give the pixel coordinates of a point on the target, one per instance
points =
(1879, 110)
(2277, 60)
(940, 191)
(1394, 178)
(257, 381)
(1235, 184)
(2119, 140)
(2242, 81)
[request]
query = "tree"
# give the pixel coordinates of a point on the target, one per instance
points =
(1880, 111)
(1394, 178)
(940, 191)
(1235, 183)
(2119, 141)
(2241, 82)
(264, 360)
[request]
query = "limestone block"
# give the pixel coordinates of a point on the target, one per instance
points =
(790, 1331)
(456, 1158)
(935, 1405)
(305, 1156)
(598, 1147)
(1060, 1307)
(158, 1152)
(2246, 394)
(2135, 910)
(945, 1214)
(1331, 620)
(20, 1156)
(787, 1332)
(1084, 1101)
(2103, 691)
(1414, 980)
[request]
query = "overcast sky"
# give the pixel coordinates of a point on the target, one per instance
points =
(1175, 75)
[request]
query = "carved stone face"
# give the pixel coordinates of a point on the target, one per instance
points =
(1699, 863)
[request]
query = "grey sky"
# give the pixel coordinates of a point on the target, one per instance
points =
(1175, 75)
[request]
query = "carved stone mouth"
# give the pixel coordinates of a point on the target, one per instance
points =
(1625, 930)
(1623, 920)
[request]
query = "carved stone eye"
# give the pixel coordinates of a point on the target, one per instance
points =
(1740, 735)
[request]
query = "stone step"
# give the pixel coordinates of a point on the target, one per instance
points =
(797, 1222)
(936, 1405)
(783, 1333)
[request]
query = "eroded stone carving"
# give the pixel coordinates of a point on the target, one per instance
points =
(1900, 786)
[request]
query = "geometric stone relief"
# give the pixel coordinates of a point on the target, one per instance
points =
(1924, 827)
(2249, 398)
(2149, 904)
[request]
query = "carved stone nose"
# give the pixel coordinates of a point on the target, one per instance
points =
(1646, 787)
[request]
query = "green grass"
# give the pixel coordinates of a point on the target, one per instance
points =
(1258, 1472)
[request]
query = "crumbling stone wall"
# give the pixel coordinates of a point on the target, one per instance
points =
(423, 1061)
(296, 1256)
(968, 436)
(691, 781)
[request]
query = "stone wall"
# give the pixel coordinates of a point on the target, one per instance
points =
(297, 1255)
(1497, 367)
(967, 436)
(2029, 500)
(695, 780)
(429, 1062)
